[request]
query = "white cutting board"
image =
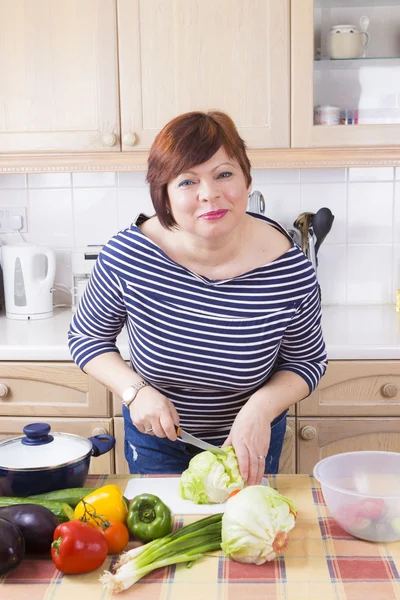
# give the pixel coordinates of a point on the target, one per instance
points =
(167, 489)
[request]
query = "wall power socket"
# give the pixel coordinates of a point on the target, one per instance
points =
(13, 218)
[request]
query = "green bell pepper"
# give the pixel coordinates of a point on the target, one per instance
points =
(148, 517)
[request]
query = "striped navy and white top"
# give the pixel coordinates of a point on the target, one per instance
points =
(205, 344)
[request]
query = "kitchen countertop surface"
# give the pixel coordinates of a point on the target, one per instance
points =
(351, 332)
(321, 562)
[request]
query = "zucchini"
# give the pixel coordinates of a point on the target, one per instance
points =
(62, 511)
(71, 496)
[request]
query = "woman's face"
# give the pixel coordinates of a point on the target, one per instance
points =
(209, 199)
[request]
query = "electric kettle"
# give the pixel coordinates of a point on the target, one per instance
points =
(28, 274)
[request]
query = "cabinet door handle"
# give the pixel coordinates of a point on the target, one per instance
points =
(129, 138)
(109, 139)
(389, 390)
(99, 431)
(3, 390)
(308, 432)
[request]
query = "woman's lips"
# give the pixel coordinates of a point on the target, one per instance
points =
(213, 215)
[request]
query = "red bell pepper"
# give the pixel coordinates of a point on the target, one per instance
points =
(78, 548)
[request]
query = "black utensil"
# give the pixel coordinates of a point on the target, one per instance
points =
(322, 224)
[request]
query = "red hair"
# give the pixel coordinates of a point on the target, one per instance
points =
(189, 140)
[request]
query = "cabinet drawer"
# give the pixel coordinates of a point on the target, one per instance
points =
(13, 427)
(356, 388)
(50, 389)
(319, 438)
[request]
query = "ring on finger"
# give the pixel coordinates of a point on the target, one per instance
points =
(150, 430)
(262, 457)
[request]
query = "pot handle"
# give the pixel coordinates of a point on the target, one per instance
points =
(102, 443)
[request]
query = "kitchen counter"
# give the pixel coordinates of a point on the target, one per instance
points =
(351, 332)
(321, 561)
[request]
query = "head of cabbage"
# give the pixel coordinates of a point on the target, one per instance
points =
(255, 524)
(210, 477)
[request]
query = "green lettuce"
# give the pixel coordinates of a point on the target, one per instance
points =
(210, 477)
(255, 524)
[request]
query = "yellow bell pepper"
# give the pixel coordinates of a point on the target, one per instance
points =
(107, 502)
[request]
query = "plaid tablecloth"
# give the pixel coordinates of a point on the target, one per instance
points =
(321, 562)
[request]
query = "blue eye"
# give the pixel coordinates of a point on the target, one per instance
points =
(185, 183)
(225, 175)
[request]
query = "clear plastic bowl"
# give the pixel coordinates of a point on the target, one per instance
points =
(362, 493)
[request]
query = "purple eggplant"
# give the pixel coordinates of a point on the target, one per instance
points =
(12, 546)
(36, 523)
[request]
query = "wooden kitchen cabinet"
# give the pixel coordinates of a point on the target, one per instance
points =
(287, 462)
(177, 56)
(364, 89)
(361, 388)
(13, 427)
(59, 82)
(322, 437)
(31, 389)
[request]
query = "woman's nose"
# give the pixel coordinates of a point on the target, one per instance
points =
(209, 191)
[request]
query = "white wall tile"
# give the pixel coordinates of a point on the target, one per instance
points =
(93, 179)
(63, 275)
(95, 215)
(13, 198)
(331, 272)
(322, 175)
(49, 180)
(282, 202)
(132, 179)
(275, 176)
(333, 196)
(371, 174)
(131, 202)
(370, 213)
(369, 274)
(397, 173)
(50, 217)
(13, 181)
(396, 225)
(396, 270)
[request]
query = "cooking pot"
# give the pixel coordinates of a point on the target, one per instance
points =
(41, 462)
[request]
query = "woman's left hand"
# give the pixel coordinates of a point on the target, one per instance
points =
(250, 437)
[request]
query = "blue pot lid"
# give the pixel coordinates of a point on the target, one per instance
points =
(39, 449)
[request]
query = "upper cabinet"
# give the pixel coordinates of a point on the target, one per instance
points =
(177, 56)
(345, 73)
(59, 76)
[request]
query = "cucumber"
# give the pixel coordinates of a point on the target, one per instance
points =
(71, 496)
(62, 510)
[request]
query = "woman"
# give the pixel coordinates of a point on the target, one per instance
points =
(221, 308)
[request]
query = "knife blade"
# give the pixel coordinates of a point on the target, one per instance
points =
(191, 439)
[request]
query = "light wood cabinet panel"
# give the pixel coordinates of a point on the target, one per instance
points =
(287, 463)
(177, 56)
(59, 81)
(50, 389)
(319, 438)
(13, 427)
(121, 466)
(304, 134)
(356, 388)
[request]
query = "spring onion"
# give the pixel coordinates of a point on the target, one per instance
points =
(187, 544)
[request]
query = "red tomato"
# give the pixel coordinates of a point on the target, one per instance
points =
(116, 534)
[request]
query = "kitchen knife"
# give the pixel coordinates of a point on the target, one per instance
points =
(191, 439)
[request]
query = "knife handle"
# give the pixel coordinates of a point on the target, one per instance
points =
(177, 429)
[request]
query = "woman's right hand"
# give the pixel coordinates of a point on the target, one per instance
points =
(152, 413)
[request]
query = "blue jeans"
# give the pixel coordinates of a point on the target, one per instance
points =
(148, 454)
